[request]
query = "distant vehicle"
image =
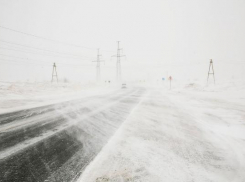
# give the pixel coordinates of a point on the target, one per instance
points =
(124, 85)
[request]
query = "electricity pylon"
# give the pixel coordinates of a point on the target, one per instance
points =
(119, 71)
(209, 71)
(98, 66)
(54, 73)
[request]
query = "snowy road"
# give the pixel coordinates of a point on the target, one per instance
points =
(146, 134)
(176, 136)
(56, 142)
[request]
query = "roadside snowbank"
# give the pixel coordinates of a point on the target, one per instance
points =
(18, 95)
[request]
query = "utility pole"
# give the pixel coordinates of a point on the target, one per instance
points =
(98, 66)
(211, 72)
(54, 73)
(119, 71)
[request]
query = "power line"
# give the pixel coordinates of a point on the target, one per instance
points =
(6, 61)
(74, 66)
(24, 58)
(104, 50)
(40, 53)
(52, 40)
(41, 49)
(27, 58)
(14, 56)
(44, 38)
(234, 62)
(24, 62)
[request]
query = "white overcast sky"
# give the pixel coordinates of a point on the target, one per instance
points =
(159, 38)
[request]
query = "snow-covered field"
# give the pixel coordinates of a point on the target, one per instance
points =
(22, 95)
(187, 134)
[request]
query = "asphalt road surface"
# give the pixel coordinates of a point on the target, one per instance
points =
(56, 142)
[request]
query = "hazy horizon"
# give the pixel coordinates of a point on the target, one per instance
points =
(159, 38)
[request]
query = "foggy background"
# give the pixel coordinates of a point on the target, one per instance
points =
(159, 38)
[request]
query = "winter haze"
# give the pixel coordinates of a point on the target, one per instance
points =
(158, 38)
(122, 90)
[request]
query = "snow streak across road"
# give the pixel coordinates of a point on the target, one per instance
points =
(56, 142)
(176, 136)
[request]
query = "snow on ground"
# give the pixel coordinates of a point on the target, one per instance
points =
(189, 133)
(192, 133)
(19, 95)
